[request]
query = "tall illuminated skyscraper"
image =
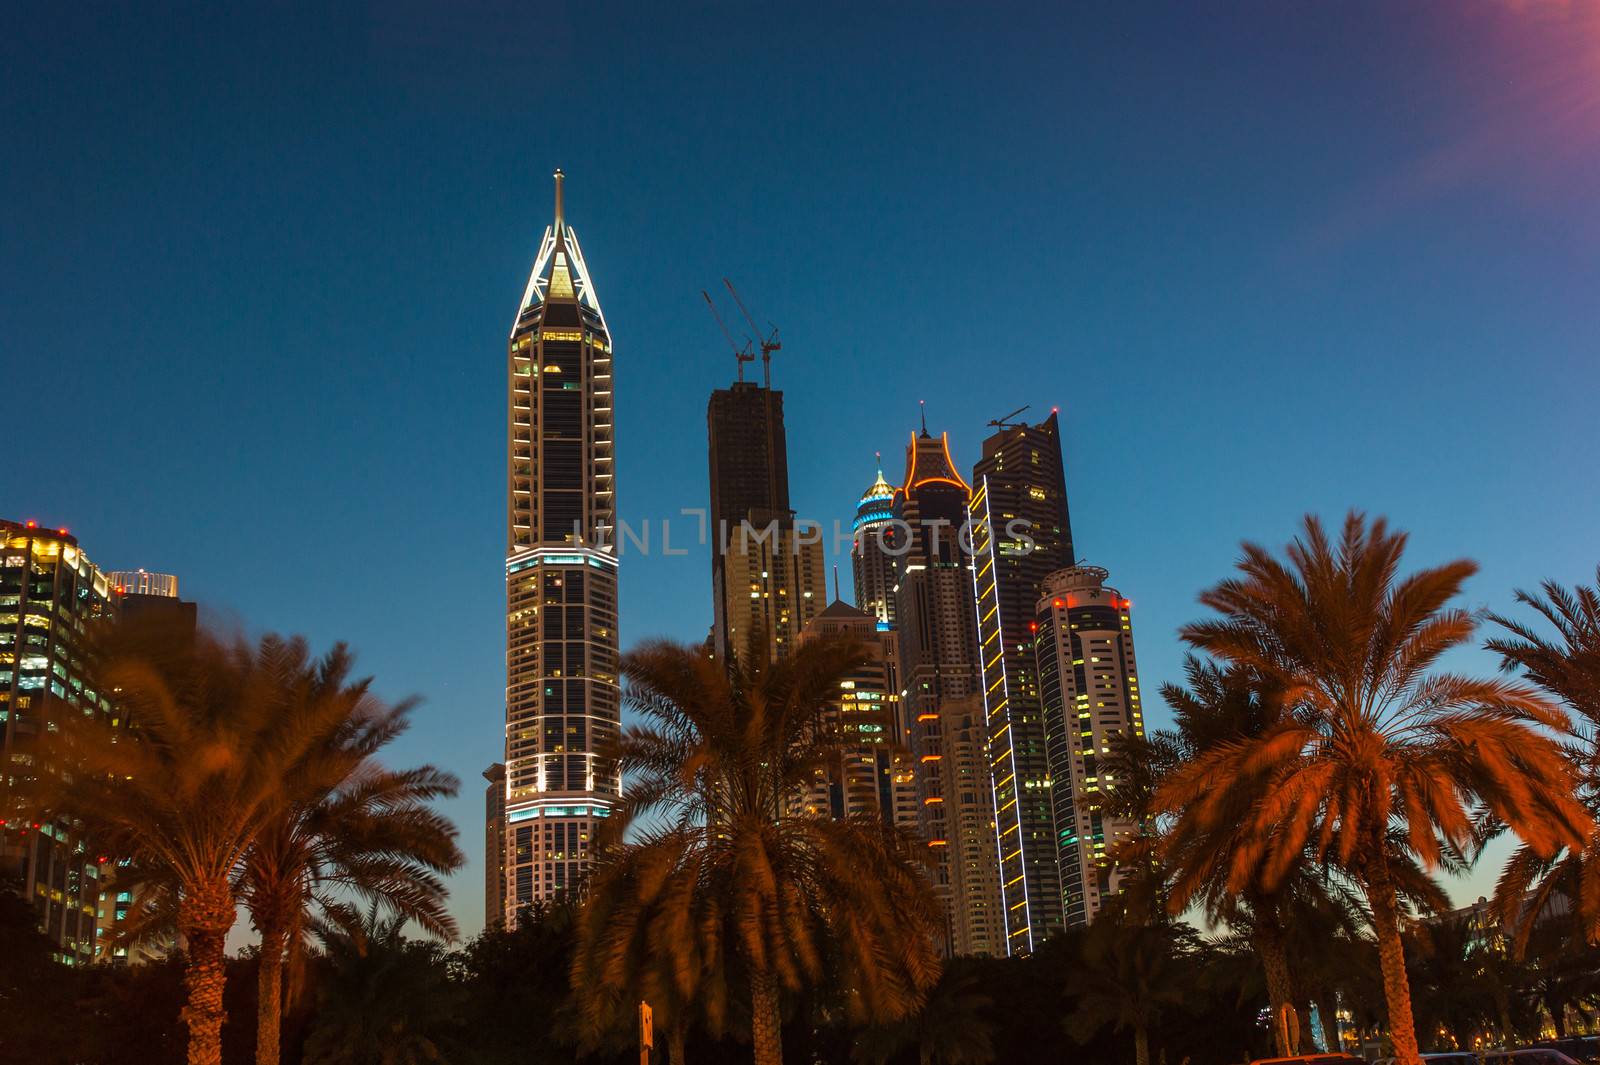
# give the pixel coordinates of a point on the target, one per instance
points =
(562, 698)
(1089, 687)
(943, 701)
(1020, 535)
(874, 556)
(50, 594)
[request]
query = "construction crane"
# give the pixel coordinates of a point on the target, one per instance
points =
(1005, 422)
(741, 355)
(768, 344)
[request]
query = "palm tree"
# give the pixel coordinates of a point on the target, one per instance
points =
(521, 972)
(1131, 974)
(629, 953)
(382, 1000)
(183, 792)
(730, 880)
(1564, 978)
(949, 1029)
(1373, 752)
(1447, 973)
(1218, 706)
(1567, 668)
(1508, 981)
(347, 826)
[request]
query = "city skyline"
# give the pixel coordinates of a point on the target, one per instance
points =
(1251, 349)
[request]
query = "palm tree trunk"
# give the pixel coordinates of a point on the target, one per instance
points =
(269, 994)
(675, 1045)
(766, 1023)
(1392, 963)
(1268, 942)
(204, 920)
(1141, 1046)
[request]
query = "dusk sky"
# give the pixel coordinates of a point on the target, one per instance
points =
(259, 270)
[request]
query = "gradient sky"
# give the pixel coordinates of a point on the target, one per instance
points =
(259, 268)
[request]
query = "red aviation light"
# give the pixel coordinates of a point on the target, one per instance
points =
(1059, 604)
(33, 524)
(1033, 626)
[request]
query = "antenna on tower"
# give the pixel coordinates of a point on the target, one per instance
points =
(922, 405)
(836, 594)
(560, 177)
(768, 343)
(1005, 422)
(741, 355)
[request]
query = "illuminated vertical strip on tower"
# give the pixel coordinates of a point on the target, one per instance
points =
(562, 698)
(1014, 899)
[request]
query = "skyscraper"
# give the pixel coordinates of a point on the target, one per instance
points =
(494, 846)
(766, 572)
(874, 554)
(1020, 535)
(940, 672)
(562, 697)
(1090, 691)
(50, 593)
(877, 776)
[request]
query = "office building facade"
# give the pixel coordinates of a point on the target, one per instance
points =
(51, 594)
(877, 776)
(1089, 686)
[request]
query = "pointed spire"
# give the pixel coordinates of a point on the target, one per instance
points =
(559, 269)
(836, 594)
(879, 490)
(922, 404)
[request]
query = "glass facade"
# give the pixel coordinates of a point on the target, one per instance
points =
(50, 593)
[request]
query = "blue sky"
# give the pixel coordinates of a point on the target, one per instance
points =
(1268, 259)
